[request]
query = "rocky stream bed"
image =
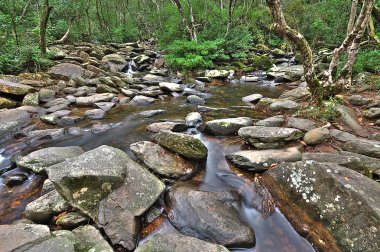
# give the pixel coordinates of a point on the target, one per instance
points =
(109, 151)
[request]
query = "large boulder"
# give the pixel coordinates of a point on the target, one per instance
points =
(12, 121)
(39, 160)
(288, 73)
(8, 87)
(87, 179)
(21, 237)
(162, 161)
(115, 61)
(225, 127)
(183, 144)
(262, 160)
(178, 242)
(66, 71)
(344, 201)
(171, 87)
(119, 211)
(189, 211)
(364, 147)
(348, 116)
(269, 137)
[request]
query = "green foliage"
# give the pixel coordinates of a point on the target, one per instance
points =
(326, 112)
(367, 61)
(192, 55)
(23, 59)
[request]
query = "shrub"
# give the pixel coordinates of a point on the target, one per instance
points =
(367, 61)
(16, 60)
(192, 55)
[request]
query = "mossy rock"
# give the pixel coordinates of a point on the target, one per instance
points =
(185, 145)
(261, 62)
(238, 64)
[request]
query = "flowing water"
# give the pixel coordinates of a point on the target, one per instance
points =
(273, 232)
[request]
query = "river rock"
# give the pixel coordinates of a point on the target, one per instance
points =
(95, 113)
(46, 134)
(217, 74)
(295, 94)
(274, 121)
(56, 244)
(261, 160)
(91, 240)
(66, 71)
(301, 124)
(43, 209)
(115, 61)
(348, 116)
(171, 87)
(249, 79)
(316, 136)
(183, 144)
(103, 88)
(51, 119)
(69, 120)
(194, 99)
(344, 201)
(90, 100)
(141, 100)
(253, 98)
(269, 137)
(350, 162)
(372, 113)
(12, 121)
(39, 160)
(12, 88)
(178, 242)
(342, 135)
(153, 78)
(46, 95)
(162, 161)
(358, 100)
(189, 212)
(289, 73)
(151, 93)
(193, 119)
(31, 99)
(21, 237)
(119, 211)
(8, 103)
(86, 179)
(363, 147)
(280, 105)
(72, 220)
(172, 126)
(225, 127)
(365, 163)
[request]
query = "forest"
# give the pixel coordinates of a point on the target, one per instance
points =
(189, 125)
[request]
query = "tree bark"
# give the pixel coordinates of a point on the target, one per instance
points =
(184, 22)
(302, 45)
(192, 21)
(66, 35)
(43, 26)
(372, 32)
(351, 22)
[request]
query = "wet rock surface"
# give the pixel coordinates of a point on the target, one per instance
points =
(189, 212)
(225, 127)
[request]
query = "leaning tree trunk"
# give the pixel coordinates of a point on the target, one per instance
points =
(372, 32)
(43, 26)
(66, 35)
(184, 22)
(302, 45)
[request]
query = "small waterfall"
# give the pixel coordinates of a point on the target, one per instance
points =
(130, 68)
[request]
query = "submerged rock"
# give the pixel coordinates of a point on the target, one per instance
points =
(344, 201)
(269, 137)
(261, 160)
(179, 242)
(189, 212)
(185, 145)
(39, 160)
(229, 126)
(86, 179)
(163, 162)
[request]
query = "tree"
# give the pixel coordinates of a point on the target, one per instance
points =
(43, 25)
(332, 82)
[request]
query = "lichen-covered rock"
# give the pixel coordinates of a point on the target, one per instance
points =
(162, 161)
(178, 242)
(31, 99)
(39, 160)
(87, 179)
(295, 94)
(229, 126)
(261, 160)
(66, 71)
(274, 121)
(364, 147)
(372, 113)
(90, 239)
(344, 201)
(183, 144)
(12, 121)
(269, 137)
(12, 88)
(44, 208)
(56, 244)
(189, 211)
(7, 103)
(301, 124)
(91, 100)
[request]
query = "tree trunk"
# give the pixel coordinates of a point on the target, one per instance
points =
(302, 45)
(184, 22)
(43, 26)
(66, 35)
(192, 21)
(372, 32)
(351, 22)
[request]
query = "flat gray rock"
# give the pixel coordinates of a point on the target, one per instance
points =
(11, 122)
(274, 121)
(65, 71)
(91, 240)
(91, 100)
(172, 126)
(280, 105)
(225, 127)
(39, 160)
(13, 88)
(301, 124)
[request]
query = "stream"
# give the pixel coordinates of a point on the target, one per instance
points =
(273, 232)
